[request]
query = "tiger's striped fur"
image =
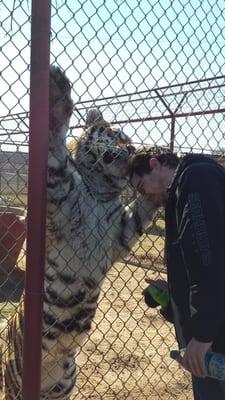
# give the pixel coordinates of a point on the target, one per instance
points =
(88, 229)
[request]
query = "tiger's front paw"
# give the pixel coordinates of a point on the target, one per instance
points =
(60, 101)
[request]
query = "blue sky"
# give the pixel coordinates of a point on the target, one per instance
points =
(111, 47)
(144, 43)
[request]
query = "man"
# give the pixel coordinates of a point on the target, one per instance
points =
(192, 190)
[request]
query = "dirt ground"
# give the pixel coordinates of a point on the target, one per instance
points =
(127, 354)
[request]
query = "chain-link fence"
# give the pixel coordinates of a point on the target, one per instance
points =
(156, 70)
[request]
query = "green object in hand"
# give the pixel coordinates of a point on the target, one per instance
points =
(174, 354)
(161, 296)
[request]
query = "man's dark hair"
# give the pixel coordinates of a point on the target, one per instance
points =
(139, 160)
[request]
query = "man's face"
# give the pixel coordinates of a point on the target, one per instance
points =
(152, 185)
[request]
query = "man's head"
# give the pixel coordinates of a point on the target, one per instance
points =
(151, 170)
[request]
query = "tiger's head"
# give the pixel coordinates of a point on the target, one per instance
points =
(101, 153)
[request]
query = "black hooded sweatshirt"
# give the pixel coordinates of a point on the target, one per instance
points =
(195, 251)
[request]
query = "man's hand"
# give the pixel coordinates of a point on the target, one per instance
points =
(193, 359)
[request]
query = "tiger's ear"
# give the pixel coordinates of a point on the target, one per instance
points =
(94, 115)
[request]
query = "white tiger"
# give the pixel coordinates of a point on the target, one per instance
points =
(88, 229)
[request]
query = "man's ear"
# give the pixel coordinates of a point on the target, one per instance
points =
(94, 115)
(154, 163)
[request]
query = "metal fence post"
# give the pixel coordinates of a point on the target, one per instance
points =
(38, 149)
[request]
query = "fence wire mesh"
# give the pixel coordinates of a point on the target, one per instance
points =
(156, 70)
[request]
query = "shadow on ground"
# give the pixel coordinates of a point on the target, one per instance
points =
(11, 285)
